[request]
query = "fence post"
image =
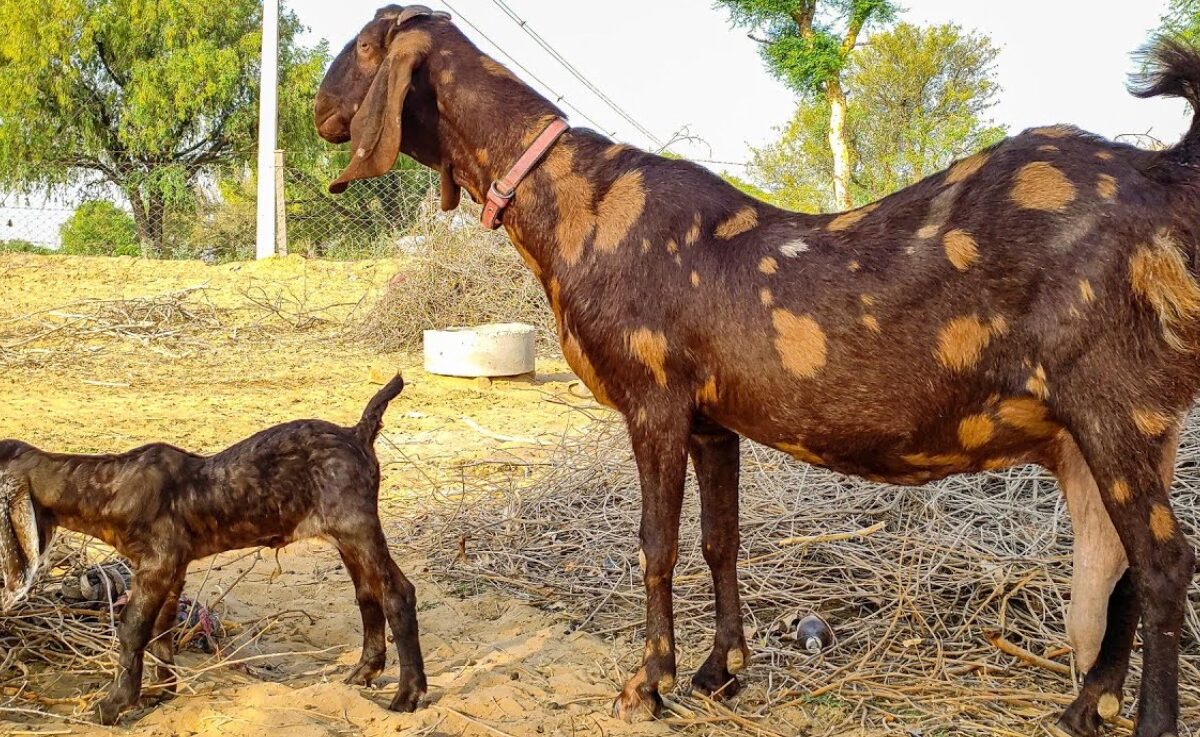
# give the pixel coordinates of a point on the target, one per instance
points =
(281, 242)
(268, 94)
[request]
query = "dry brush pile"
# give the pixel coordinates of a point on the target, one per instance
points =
(947, 600)
(456, 275)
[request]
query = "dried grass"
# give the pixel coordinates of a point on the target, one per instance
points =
(457, 275)
(923, 608)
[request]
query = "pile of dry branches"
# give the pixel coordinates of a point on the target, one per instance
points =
(457, 276)
(947, 600)
(174, 318)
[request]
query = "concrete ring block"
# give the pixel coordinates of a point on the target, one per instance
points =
(497, 349)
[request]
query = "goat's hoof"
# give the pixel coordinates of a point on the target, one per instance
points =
(108, 712)
(364, 674)
(1076, 723)
(637, 702)
(409, 695)
(717, 684)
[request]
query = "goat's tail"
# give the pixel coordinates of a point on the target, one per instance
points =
(372, 417)
(1172, 69)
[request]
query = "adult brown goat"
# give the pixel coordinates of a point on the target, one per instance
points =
(1036, 302)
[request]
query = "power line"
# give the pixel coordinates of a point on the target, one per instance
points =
(558, 98)
(575, 72)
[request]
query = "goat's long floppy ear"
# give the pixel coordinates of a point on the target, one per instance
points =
(451, 192)
(375, 129)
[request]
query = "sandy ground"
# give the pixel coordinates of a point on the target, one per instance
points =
(270, 349)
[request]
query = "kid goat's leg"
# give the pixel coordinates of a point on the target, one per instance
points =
(400, 605)
(660, 448)
(364, 549)
(162, 638)
(151, 585)
(1101, 696)
(715, 457)
(374, 650)
(1126, 462)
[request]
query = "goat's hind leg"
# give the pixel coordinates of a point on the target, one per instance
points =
(1102, 638)
(365, 552)
(400, 605)
(715, 457)
(1127, 461)
(149, 591)
(162, 640)
(374, 650)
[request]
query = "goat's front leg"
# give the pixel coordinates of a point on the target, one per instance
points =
(714, 452)
(660, 448)
(150, 589)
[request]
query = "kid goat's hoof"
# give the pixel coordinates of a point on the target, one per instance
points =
(108, 712)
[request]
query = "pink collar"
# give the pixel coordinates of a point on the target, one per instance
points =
(502, 190)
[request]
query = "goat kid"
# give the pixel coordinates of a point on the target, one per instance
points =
(162, 507)
(1036, 302)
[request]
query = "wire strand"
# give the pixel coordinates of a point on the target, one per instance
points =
(524, 26)
(558, 98)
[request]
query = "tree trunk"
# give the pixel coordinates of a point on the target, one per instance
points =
(148, 210)
(837, 143)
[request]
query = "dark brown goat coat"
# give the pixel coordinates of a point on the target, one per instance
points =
(1036, 302)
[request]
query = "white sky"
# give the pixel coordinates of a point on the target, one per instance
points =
(677, 63)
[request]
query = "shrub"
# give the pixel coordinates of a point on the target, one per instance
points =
(99, 228)
(457, 276)
(20, 246)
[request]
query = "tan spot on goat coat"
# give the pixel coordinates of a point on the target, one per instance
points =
(965, 168)
(961, 248)
(582, 366)
(1040, 186)
(962, 340)
(619, 210)
(1160, 276)
(650, 348)
(1162, 523)
(573, 200)
(800, 343)
(737, 223)
(849, 219)
(1106, 187)
(1120, 491)
(1028, 415)
(1151, 423)
(975, 431)
(768, 265)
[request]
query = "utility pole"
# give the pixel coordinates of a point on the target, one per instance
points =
(268, 93)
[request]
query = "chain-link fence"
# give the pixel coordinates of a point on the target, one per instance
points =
(171, 210)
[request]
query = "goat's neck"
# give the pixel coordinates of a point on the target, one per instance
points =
(485, 128)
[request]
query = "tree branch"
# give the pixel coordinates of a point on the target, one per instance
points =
(803, 16)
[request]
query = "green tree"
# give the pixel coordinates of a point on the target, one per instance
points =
(808, 44)
(144, 95)
(920, 100)
(1182, 19)
(99, 228)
